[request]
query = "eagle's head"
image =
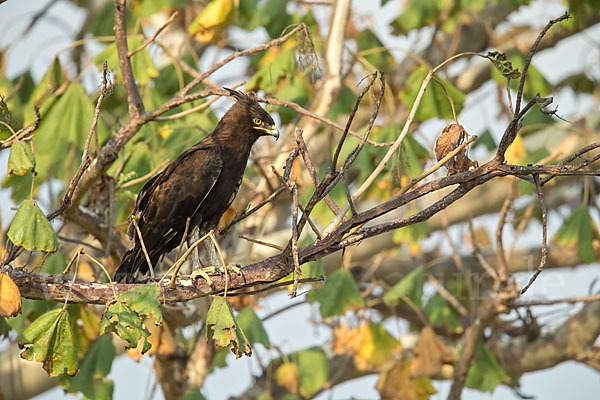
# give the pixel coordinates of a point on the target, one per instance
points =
(248, 110)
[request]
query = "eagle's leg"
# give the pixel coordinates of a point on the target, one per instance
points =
(213, 257)
(195, 258)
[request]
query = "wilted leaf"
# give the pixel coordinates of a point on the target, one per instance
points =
(287, 376)
(224, 329)
(49, 339)
(21, 159)
(144, 301)
(125, 315)
(503, 65)
(430, 354)
(410, 286)
(204, 27)
(253, 328)
(451, 137)
(10, 297)
(120, 318)
(338, 295)
(397, 384)
(91, 380)
(577, 231)
(31, 229)
(485, 372)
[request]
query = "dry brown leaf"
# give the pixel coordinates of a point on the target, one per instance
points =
(287, 375)
(396, 384)
(451, 137)
(430, 354)
(10, 297)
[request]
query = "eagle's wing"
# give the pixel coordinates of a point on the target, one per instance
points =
(168, 199)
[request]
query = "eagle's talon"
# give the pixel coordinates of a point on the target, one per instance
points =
(200, 272)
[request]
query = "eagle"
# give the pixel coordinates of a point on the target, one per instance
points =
(200, 184)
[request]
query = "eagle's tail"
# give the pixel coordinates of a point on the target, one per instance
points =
(132, 263)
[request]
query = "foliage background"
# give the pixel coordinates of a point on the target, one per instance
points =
(551, 282)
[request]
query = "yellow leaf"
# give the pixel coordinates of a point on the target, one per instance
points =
(370, 344)
(396, 384)
(214, 14)
(287, 376)
(10, 297)
(516, 151)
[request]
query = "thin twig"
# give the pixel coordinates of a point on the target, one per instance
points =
(501, 256)
(72, 260)
(85, 161)
(77, 255)
(23, 133)
(262, 243)
(143, 177)
(184, 256)
(294, 238)
(277, 285)
(158, 32)
(313, 171)
(544, 253)
(447, 295)
(350, 119)
(139, 233)
(246, 214)
(98, 263)
(198, 107)
(185, 232)
(551, 302)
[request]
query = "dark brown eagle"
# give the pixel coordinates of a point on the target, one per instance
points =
(199, 184)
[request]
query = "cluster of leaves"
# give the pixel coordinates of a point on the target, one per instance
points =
(76, 338)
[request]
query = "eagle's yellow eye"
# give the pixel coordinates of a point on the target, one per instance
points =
(257, 121)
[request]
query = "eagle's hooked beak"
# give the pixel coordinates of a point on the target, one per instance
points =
(273, 131)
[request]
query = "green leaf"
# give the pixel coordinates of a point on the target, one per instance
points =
(412, 235)
(535, 82)
(485, 372)
(577, 231)
(120, 318)
(44, 90)
(434, 102)
(503, 65)
(412, 157)
(273, 16)
(268, 76)
(141, 63)
(411, 286)
(252, 326)
(91, 380)
(485, 139)
(222, 326)
(374, 51)
(441, 314)
(338, 295)
(313, 369)
(144, 300)
(125, 315)
(31, 229)
(418, 14)
(5, 116)
(193, 394)
(21, 159)
(49, 339)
